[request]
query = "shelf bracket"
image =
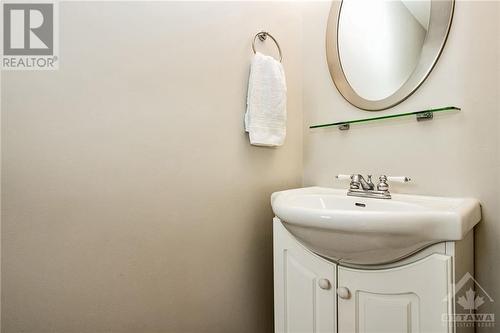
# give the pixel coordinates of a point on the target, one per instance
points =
(425, 116)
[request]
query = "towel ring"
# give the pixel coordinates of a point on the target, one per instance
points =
(262, 37)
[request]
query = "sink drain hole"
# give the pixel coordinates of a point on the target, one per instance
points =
(359, 204)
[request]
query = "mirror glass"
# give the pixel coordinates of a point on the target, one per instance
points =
(380, 51)
(392, 33)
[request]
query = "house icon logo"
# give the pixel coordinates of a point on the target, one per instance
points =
(472, 299)
(469, 296)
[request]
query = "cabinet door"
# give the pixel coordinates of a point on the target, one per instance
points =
(304, 287)
(412, 298)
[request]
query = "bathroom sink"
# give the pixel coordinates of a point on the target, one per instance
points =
(369, 231)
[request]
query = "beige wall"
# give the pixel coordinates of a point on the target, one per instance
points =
(132, 201)
(454, 155)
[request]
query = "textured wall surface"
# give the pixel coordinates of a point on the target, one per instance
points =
(132, 201)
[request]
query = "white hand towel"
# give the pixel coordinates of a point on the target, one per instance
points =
(265, 118)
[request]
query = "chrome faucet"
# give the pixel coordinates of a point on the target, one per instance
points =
(359, 187)
(357, 180)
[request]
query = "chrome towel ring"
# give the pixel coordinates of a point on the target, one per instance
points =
(262, 37)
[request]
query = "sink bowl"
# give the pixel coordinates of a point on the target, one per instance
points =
(368, 231)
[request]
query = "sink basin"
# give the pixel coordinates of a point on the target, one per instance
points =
(368, 231)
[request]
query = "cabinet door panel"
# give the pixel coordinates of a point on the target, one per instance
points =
(394, 313)
(301, 305)
(412, 298)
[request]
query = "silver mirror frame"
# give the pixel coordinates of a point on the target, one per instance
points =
(439, 26)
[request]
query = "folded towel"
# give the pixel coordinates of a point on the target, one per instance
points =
(265, 118)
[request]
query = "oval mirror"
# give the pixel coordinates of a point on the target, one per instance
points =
(380, 51)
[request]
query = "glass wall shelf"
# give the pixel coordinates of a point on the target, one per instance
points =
(420, 115)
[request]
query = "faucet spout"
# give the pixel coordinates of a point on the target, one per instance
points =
(358, 180)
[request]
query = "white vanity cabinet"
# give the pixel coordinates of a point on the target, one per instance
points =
(304, 287)
(313, 294)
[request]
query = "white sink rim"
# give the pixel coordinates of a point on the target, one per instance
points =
(417, 221)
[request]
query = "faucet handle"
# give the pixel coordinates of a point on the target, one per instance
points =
(354, 180)
(383, 179)
(401, 179)
(343, 177)
(382, 183)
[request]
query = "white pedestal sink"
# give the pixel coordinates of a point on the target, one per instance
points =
(364, 231)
